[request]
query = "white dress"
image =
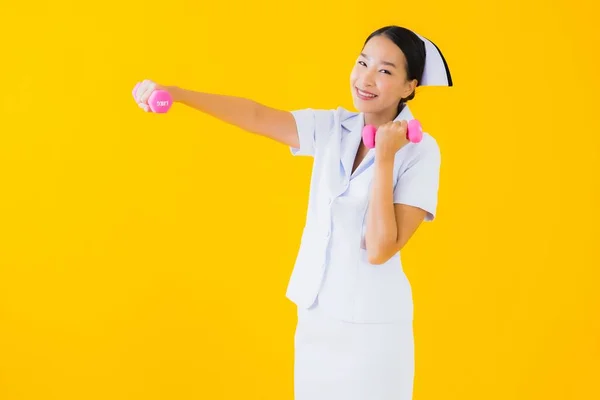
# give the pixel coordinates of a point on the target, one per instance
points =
(336, 359)
(354, 336)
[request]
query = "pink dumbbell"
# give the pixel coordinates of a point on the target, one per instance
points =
(414, 134)
(159, 101)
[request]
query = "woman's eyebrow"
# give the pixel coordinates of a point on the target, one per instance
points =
(383, 62)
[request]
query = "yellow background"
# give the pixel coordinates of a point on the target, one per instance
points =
(146, 256)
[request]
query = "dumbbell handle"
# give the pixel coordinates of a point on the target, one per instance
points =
(414, 133)
(160, 101)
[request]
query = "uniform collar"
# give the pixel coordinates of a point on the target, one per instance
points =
(354, 122)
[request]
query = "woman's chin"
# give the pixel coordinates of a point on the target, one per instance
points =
(365, 106)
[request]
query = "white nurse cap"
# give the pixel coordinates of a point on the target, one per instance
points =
(436, 72)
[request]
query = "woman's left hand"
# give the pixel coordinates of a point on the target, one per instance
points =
(391, 137)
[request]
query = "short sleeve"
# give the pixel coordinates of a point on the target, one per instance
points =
(418, 185)
(313, 127)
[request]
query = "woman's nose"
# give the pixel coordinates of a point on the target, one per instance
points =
(368, 78)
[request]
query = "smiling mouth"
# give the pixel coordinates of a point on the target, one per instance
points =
(365, 95)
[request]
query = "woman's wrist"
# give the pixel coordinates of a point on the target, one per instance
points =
(175, 92)
(384, 158)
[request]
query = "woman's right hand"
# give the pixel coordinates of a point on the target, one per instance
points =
(145, 89)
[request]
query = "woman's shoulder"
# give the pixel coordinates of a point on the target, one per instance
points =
(426, 151)
(341, 113)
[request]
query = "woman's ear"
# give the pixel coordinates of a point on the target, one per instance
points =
(411, 86)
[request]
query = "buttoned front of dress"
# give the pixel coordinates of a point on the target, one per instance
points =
(332, 264)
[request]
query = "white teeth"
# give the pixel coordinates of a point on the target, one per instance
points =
(365, 94)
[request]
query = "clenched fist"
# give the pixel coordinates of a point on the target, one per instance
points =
(391, 137)
(143, 91)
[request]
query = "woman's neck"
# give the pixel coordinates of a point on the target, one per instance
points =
(380, 118)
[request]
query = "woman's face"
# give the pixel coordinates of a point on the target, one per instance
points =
(378, 79)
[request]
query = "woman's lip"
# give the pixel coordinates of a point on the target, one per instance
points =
(364, 91)
(370, 96)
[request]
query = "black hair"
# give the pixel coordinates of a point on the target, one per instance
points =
(414, 51)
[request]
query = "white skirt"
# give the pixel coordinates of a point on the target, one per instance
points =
(338, 360)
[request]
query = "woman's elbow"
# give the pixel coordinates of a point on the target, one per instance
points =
(380, 254)
(376, 259)
(377, 255)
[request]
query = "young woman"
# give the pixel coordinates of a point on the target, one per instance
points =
(354, 337)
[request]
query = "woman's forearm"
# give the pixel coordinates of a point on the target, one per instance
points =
(381, 232)
(243, 113)
(237, 111)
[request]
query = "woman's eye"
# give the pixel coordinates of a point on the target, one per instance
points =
(364, 64)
